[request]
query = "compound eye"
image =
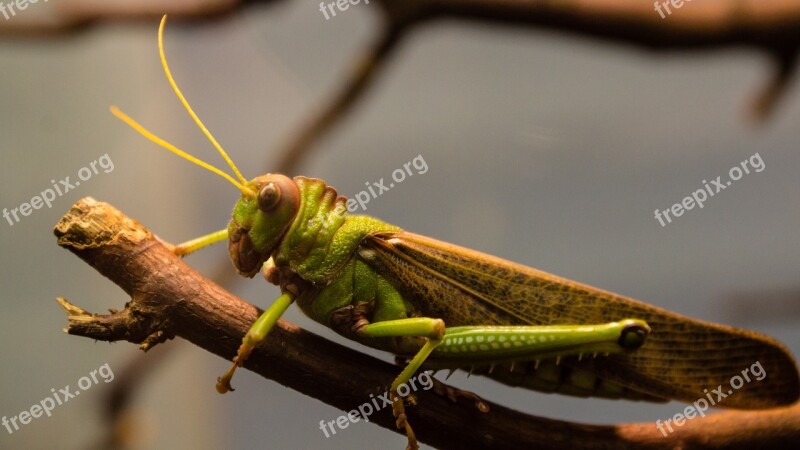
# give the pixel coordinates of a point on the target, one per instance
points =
(268, 197)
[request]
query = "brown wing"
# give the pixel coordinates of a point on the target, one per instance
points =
(681, 358)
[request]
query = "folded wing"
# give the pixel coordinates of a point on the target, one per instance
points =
(682, 359)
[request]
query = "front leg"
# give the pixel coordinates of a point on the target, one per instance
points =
(193, 245)
(258, 331)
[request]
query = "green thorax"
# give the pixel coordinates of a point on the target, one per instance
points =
(323, 237)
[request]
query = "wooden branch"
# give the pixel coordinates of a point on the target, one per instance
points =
(697, 25)
(765, 24)
(169, 298)
(772, 26)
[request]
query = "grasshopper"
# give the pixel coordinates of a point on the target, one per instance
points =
(440, 306)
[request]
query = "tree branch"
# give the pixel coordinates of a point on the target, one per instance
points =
(771, 26)
(169, 298)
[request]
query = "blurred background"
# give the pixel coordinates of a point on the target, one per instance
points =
(548, 149)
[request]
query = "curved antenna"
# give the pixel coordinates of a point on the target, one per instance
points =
(186, 105)
(136, 126)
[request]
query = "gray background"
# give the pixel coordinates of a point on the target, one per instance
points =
(544, 149)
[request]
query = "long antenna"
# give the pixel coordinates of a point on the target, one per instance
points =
(241, 184)
(186, 103)
(136, 126)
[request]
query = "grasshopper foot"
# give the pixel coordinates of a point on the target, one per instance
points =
(454, 393)
(399, 411)
(224, 382)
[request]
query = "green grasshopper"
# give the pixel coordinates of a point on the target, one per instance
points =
(440, 306)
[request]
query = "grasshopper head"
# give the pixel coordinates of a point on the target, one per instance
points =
(268, 205)
(259, 221)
